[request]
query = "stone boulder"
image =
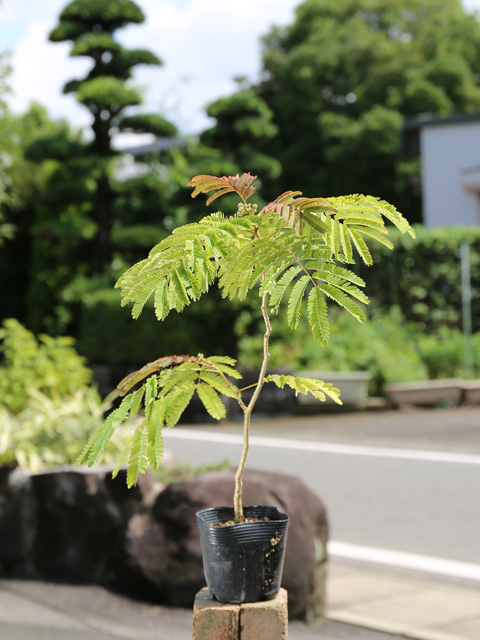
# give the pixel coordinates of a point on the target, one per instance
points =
(81, 515)
(162, 547)
(16, 521)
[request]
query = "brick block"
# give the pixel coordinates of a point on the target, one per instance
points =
(266, 620)
(213, 620)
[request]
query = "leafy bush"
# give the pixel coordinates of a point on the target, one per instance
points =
(384, 346)
(444, 353)
(50, 430)
(48, 365)
(423, 276)
(107, 333)
(47, 406)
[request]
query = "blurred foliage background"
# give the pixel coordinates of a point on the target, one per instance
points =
(326, 117)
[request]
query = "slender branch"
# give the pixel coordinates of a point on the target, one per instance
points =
(250, 386)
(247, 412)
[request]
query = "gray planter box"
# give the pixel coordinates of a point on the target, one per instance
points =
(353, 387)
(471, 390)
(426, 392)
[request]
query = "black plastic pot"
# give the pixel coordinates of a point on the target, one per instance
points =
(243, 562)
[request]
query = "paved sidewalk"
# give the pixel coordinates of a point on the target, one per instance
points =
(410, 605)
(364, 604)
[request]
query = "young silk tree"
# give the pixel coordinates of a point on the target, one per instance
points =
(292, 253)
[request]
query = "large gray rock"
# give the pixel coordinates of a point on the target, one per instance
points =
(81, 515)
(77, 525)
(162, 546)
(16, 521)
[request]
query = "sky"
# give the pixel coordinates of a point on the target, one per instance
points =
(204, 44)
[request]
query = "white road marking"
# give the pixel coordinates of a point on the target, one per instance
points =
(373, 555)
(324, 447)
(426, 564)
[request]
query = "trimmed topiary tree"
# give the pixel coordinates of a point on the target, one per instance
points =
(105, 91)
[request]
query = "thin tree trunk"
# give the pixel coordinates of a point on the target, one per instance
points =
(102, 213)
(247, 412)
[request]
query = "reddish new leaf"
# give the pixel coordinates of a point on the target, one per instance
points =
(286, 197)
(298, 211)
(292, 216)
(225, 184)
(152, 367)
(314, 204)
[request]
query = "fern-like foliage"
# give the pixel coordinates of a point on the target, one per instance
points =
(167, 387)
(298, 212)
(183, 266)
(317, 388)
(239, 184)
(359, 219)
(293, 252)
(344, 221)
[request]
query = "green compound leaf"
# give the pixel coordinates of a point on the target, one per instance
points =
(138, 458)
(317, 388)
(282, 285)
(98, 441)
(211, 401)
(178, 401)
(318, 317)
(294, 308)
(343, 300)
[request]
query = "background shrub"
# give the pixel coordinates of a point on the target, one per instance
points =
(423, 277)
(384, 345)
(107, 333)
(48, 409)
(49, 365)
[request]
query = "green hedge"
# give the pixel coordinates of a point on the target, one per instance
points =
(423, 276)
(107, 333)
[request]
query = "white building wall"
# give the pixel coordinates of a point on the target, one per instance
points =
(447, 152)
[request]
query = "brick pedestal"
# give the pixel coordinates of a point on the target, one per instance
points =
(213, 620)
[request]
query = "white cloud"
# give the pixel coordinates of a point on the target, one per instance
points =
(471, 5)
(40, 71)
(203, 43)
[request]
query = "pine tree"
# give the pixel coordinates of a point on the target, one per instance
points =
(91, 26)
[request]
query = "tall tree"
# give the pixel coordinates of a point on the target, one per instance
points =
(6, 230)
(342, 79)
(91, 26)
(244, 126)
(24, 183)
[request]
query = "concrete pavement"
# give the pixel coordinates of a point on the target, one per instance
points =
(364, 604)
(402, 603)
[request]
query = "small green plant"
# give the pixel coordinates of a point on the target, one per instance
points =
(291, 251)
(51, 429)
(385, 346)
(49, 365)
(47, 406)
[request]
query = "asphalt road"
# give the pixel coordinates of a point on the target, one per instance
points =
(405, 487)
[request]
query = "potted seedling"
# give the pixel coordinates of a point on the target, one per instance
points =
(292, 252)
